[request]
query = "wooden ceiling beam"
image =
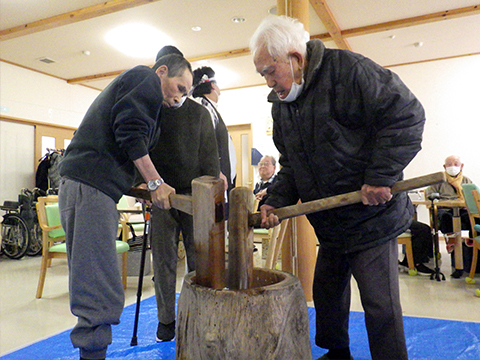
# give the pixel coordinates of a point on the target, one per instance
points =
(222, 55)
(88, 78)
(217, 56)
(90, 12)
(326, 17)
(413, 21)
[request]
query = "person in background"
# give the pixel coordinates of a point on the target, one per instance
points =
(266, 170)
(114, 138)
(342, 123)
(189, 133)
(422, 247)
(451, 189)
(205, 91)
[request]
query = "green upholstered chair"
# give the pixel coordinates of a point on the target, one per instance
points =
(54, 238)
(471, 193)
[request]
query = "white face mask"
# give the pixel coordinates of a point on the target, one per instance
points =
(453, 170)
(296, 89)
(180, 103)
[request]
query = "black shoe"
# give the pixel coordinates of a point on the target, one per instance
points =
(165, 332)
(422, 269)
(337, 354)
(403, 262)
(457, 274)
(326, 357)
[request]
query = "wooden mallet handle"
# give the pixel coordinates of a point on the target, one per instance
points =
(350, 198)
(178, 201)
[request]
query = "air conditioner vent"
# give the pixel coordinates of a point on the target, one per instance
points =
(47, 60)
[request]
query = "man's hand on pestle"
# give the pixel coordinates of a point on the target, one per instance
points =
(159, 197)
(268, 221)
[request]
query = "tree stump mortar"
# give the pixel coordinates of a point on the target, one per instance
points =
(268, 321)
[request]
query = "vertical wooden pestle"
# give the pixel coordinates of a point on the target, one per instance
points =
(208, 204)
(240, 243)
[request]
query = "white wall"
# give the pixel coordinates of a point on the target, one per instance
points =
(450, 92)
(30, 95)
(249, 105)
(33, 96)
(16, 159)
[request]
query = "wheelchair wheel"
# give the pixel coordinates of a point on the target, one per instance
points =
(15, 236)
(36, 240)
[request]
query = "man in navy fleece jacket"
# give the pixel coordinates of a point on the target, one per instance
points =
(117, 133)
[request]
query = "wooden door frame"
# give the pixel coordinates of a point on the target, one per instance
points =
(248, 129)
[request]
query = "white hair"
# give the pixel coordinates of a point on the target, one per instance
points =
(280, 35)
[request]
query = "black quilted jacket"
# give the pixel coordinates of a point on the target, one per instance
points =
(355, 123)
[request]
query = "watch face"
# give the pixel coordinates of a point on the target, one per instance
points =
(154, 184)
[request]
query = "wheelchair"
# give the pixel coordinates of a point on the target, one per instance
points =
(21, 233)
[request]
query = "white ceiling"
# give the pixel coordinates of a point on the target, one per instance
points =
(390, 44)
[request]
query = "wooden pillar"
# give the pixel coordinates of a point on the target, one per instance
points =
(305, 242)
(240, 239)
(297, 9)
(208, 204)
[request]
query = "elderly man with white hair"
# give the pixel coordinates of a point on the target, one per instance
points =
(451, 189)
(342, 123)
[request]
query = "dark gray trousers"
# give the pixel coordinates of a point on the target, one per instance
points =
(166, 228)
(90, 220)
(376, 272)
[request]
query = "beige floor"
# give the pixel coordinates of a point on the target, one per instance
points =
(25, 320)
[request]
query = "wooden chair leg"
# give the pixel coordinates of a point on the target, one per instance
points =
(409, 252)
(271, 247)
(471, 277)
(43, 273)
(407, 241)
(276, 245)
(124, 270)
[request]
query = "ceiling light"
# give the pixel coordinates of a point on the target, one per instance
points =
(418, 44)
(238, 19)
(273, 10)
(392, 37)
(86, 52)
(196, 28)
(137, 40)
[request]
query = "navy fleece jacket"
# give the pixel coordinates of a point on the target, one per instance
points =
(121, 125)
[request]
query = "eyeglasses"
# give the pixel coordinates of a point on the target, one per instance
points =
(264, 163)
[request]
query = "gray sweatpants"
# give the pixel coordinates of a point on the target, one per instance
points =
(90, 220)
(376, 273)
(166, 228)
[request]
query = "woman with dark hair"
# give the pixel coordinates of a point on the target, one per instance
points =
(207, 93)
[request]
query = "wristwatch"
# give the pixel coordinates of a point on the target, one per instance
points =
(153, 185)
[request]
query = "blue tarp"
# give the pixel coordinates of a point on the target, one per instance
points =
(427, 339)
